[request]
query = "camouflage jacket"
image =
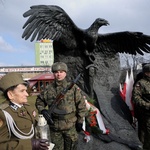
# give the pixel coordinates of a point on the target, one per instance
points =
(141, 93)
(73, 104)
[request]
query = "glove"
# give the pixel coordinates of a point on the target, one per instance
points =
(79, 127)
(40, 144)
(47, 116)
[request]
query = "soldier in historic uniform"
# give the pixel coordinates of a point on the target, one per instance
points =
(71, 110)
(17, 117)
(141, 99)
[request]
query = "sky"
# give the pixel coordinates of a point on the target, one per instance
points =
(123, 15)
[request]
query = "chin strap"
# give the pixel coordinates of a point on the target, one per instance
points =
(15, 130)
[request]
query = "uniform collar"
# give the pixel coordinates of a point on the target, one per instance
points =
(15, 106)
(62, 83)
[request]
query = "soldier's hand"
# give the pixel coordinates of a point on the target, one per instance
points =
(40, 144)
(47, 116)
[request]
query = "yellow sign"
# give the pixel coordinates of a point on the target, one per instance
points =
(46, 41)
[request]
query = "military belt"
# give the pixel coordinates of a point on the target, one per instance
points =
(63, 117)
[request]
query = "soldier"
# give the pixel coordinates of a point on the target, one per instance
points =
(17, 117)
(141, 99)
(64, 131)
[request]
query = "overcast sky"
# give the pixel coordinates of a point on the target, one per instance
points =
(123, 15)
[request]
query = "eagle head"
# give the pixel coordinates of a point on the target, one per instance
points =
(101, 22)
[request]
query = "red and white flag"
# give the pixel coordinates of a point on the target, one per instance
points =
(126, 91)
(123, 90)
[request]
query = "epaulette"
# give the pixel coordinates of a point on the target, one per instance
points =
(4, 105)
(27, 104)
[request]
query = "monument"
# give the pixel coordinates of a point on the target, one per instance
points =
(96, 55)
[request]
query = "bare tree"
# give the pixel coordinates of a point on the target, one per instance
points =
(128, 60)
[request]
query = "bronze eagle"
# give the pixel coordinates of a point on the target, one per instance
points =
(52, 22)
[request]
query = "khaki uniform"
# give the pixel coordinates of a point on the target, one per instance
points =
(73, 105)
(24, 117)
(141, 99)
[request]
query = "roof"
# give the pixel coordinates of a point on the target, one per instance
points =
(43, 76)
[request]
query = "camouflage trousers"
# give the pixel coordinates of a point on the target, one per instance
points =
(64, 140)
(144, 131)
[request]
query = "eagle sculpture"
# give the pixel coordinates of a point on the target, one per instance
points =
(98, 53)
(52, 22)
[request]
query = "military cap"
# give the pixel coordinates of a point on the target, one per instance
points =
(146, 68)
(59, 66)
(11, 79)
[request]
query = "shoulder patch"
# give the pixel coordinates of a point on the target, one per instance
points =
(27, 104)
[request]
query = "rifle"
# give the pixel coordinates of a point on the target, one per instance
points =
(47, 113)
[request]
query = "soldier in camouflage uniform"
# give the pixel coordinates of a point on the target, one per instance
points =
(141, 99)
(64, 131)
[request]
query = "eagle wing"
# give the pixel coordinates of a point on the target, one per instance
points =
(50, 22)
(124, 42)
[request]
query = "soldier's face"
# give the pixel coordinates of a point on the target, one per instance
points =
(19, 94)
(60, 75)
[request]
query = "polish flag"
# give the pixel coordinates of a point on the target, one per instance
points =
(126, 91)
(123, 90)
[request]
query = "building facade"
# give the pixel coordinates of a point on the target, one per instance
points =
(27, 71)
(44, 53)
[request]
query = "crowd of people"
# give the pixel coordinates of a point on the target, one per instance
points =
(18, 119)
